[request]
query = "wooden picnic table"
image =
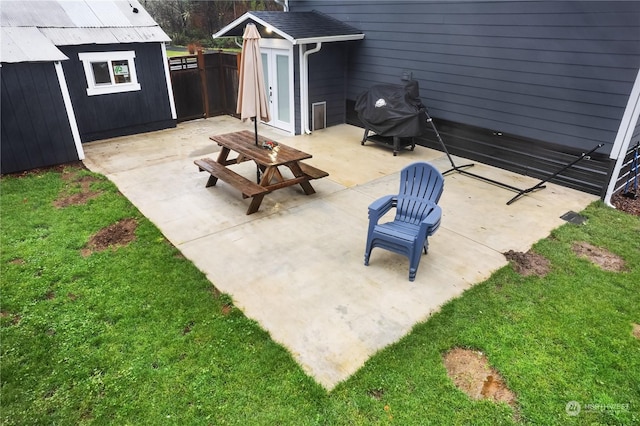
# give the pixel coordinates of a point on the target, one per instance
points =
(269, 162)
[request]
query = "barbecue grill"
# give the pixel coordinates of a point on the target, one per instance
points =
(394, 113)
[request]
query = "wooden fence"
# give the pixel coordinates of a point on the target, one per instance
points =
(204, 85)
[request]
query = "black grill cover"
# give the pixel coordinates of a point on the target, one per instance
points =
(393, 110)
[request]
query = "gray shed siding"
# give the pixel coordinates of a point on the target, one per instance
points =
(35, 126)
(119, 114)
(327, 81)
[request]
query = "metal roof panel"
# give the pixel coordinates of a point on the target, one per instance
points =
(33, 14)
(77, 36)
(27, 44)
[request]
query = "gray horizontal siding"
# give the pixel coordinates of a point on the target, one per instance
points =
(327, 79)
(555, 71)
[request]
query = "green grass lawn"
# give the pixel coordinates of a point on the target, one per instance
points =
(137, 335)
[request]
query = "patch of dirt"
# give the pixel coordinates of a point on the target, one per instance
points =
(227, 309)
(17, 261)
(376, 393)
(626, 204)
(601, 257)
(636, 331)
(529, 263)
(15, 318)
(117, 235)
(78, 191)
(187, 328)
(472, 374)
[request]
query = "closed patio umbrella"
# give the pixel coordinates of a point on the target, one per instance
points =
(252, 96)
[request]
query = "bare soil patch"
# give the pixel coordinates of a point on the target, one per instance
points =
(601, 257)
(472, 374)
(77, 191)
(15, 318)
(636, 331)
(117, 235)
(529, 263)
(627, 204)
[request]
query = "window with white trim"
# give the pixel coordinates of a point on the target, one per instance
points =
(110, 72)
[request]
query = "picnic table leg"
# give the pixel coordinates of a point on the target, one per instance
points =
(297, 172)
(255, 203)
(222, 158)
(212, 181)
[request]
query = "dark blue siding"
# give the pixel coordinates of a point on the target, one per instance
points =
(35, 126)
(559, 72)
(119, 114)
(327, 81)
(554, 71)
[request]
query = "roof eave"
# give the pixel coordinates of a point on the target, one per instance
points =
(329, 39)
(246, 17)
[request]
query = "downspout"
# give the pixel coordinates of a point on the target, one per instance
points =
(304, 86)
(623, 138)
(284, 3)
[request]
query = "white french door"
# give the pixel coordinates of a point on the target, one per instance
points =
(278, 77)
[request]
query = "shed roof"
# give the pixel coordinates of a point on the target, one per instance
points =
(297, 27)
(61, 23)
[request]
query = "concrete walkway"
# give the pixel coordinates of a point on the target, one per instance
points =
(296, 266)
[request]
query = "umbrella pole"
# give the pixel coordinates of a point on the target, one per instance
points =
(255, 128)
(255, 132)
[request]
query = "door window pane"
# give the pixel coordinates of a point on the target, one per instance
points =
(282, 66)
(265, 71)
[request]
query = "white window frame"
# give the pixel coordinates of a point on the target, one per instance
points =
(101, 89)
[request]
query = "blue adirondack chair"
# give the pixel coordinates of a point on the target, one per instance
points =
(417, 215)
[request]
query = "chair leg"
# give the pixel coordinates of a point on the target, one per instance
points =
(425, 247)
(367, 253)
(414, 262)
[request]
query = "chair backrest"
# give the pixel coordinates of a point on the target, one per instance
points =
(421, 186)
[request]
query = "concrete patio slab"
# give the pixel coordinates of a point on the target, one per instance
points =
(296, 266)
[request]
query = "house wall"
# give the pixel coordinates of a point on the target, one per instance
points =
(553, 71)
(119, 114)
(327, 81)
(34, 122)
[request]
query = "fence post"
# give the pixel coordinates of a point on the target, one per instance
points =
(203, 79)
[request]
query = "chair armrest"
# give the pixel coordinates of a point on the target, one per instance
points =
(430, 223)
(381, 206)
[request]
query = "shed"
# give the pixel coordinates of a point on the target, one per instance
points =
(78, 71)
(305, 61)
